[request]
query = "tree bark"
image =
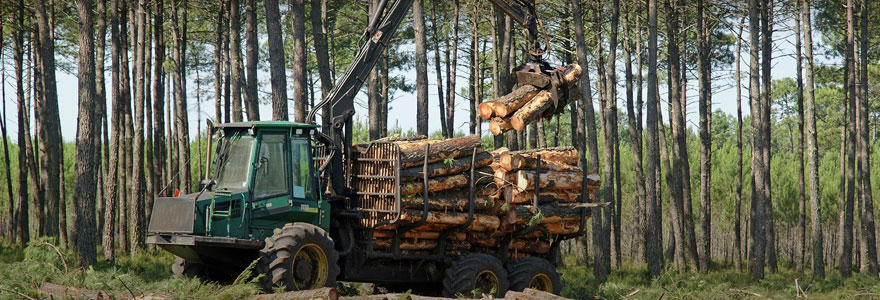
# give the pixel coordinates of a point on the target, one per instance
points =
(276, 61)
(817, 240)
(653, 227)
(757, 236)
(766, 56)
(159, 149)
(737, 228)
(48, 119)
(322, 55)
(846, 213)
(801, 236)
(704, 74)
(298, 18)
(451, 67)
(178, 26)
(635, 133)
(586, 115)
(110, 189)
(86, 166)
(235, 79)
(252, 51)
(22, 210)
(869, 240)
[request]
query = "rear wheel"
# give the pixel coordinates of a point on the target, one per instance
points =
(298, 256)
(536, 273)
(184, 268)
(474, 275)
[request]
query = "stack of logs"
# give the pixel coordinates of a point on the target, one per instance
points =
(526, 104)
(503, 198)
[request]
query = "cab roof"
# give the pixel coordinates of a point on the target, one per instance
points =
(267, 124)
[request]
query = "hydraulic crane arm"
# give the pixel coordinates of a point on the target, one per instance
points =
(381, 27)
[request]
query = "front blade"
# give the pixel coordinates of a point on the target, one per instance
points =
(172, 215)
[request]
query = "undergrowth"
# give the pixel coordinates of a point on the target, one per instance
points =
(24, 270)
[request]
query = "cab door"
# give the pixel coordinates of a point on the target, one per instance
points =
(271, 191)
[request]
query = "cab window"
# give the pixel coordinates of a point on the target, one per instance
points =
(271, 167)
(302, 179)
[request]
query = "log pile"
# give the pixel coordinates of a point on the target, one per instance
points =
(525, 104)
(504, 183)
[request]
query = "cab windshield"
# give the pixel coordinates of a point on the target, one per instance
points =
(234, 162)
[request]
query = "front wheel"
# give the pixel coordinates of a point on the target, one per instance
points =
(474, 275)
(298, 256)
(535, 273)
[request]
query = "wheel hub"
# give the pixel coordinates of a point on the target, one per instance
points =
(310, 267)
(542, 283)
(486, 282)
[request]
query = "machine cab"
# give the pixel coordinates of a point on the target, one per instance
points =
(261, 175)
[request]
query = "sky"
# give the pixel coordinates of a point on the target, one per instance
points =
(403, 106)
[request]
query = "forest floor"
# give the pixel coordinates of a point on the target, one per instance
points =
(23, 271)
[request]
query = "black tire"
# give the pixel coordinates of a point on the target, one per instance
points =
(468, 274)
(184, 268)
(296, 248)
(536, 273)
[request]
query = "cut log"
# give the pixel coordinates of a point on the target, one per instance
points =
(499, 125)
(515, 196)
(513, 101)
(457, 201)
(442, 168)
(461, 236)
(572, 73)
(512, 161)
(549, 214)
(420, 244)
(531, 246)
(413, 153)
(444, 183)
(564, 227)
(487, 109)
(562, 155)
(531, 110)
(480, 223)
(525, 180)
(326, 293)
(531, 294)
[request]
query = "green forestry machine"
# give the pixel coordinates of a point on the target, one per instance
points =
(282, 194)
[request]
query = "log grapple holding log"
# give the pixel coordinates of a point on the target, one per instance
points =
(540, 92)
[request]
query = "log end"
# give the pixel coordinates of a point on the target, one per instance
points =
(486, 109)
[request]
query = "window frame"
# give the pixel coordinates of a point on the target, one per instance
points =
(287, 170)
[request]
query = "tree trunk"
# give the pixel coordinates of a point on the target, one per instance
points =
(110, 189)
(635, 133)
(298, 18)
(586, 115)
(451, 67)
(737, 228)
(801, 235)
(87, 128)
(159, 142)
(178, 28)
(817, 248)
(252, 51)
(473, 79)
(234, 58)
(757, 236)
(766, 56)
(48, 119)
(866, 215)
(322, 55)
(276, 61)
(703, 65)
(137, 203)
(10, 218)
(846, 213)
(21, 211)
(653, 227)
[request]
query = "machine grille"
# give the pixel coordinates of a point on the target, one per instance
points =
(377, 180)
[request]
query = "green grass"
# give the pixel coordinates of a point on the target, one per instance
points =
(24, 269)
(723, 283)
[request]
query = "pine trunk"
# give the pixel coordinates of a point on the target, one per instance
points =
(276, 61)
